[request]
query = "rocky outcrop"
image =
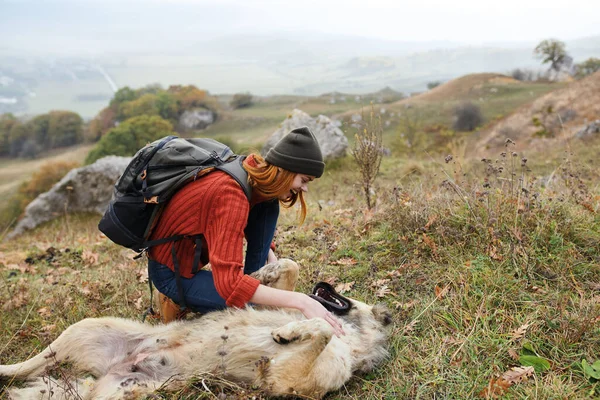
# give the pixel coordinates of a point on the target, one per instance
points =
(332, 140)
(85, 189)
(196, 118)
(589, 130)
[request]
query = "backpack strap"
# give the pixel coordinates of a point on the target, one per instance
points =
(236, 170)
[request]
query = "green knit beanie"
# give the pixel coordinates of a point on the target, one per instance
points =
(299, 152)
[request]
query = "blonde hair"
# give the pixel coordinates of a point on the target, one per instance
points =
(271, 182)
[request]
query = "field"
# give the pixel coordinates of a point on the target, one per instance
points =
(490, 267)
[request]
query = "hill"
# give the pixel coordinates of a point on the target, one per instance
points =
(556, 115)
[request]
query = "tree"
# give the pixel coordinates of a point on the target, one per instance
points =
(587, 67)
(552, 51)
(102, 123)
(130, 136)
(38, 128)
(19, 134)
(7, 121)
(122, 95)
(65, 128)
(143, 105)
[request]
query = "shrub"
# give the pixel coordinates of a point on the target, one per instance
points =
(467, 117)
(433, 84)
(241, 100)
(367, 152)
(130, 136)
(40, 182)
(587, 67)
(65, 128)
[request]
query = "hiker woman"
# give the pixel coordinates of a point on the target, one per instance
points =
(216, 207)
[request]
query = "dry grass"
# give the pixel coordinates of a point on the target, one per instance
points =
(478, 271)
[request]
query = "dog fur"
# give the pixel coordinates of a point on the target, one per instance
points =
(277, 350)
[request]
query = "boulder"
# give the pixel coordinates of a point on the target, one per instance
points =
(196, 118)
(332, 140)
(85, 189)
(589, 130)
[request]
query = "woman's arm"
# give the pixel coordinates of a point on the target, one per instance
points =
(311, 308)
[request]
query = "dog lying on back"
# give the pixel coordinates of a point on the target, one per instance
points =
(277, 350)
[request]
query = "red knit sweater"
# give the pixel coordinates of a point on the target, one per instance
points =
(214, 205)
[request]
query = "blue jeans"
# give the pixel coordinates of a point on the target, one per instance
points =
(199, 291)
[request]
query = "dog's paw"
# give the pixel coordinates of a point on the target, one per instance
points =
(292, 332)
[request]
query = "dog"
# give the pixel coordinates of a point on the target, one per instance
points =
(277, 350)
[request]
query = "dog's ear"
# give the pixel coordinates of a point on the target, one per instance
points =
(382, 314)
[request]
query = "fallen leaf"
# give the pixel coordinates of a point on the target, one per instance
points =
(49, 328)
(380, 282)
(383, 291)
(496, 388)
(344, 287)
(513, 354)
(331, 280)
(89, 257)
(517, 374)
(520, 332)
(45, 312)
(440, 293)
(405, 306)
(345, 261)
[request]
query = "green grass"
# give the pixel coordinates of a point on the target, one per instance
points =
(464, 266)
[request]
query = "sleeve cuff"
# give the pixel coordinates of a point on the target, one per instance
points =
(243, 292)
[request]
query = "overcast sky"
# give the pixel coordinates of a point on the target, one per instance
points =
(463, 21)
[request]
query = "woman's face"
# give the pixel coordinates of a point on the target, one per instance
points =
(299, 184)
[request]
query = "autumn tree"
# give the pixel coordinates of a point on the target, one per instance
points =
(102, 123)
(554, 52)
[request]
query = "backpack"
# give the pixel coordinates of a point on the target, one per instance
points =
(154, 174)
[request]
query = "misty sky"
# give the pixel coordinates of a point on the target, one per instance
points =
(85, 22)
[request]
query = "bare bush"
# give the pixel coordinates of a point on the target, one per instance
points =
(467, 117)
(241, 100)
(368, 151)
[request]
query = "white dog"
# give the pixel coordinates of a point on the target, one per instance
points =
(278, 350)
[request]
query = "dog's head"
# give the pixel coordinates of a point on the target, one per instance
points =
(371, 321)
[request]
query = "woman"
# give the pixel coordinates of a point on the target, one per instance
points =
(216, 207)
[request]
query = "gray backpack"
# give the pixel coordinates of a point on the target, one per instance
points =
(154, 174)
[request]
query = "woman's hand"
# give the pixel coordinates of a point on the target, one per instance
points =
(314, 309)
(311, 308)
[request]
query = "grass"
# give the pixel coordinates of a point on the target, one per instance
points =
(462, 272)
(481, 262)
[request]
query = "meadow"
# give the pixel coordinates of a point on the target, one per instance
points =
(490, 266)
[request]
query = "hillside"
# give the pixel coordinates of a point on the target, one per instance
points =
(556, 115)
(486, 268)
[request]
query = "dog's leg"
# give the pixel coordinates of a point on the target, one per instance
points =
(92, 345)
(309, 368)
(282, 274)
